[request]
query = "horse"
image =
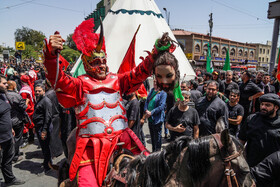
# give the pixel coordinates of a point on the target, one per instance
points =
(215, 160)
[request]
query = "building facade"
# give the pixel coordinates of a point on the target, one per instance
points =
(263, 52)
(195, 48)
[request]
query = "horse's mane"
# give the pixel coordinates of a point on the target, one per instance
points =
(198, 162)
(154, 169)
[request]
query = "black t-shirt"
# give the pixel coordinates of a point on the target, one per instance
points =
(262, 135)
(195, 95)
(233, 112)
(5, 121)
(229, 87)
(209, 112)
(133, 113)
(187, 118)
(247, 90)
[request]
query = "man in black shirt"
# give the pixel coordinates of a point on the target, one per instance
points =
(215, 77)
(195, 94)
(42, 119)
(235, 110)
(182, 119)
(210, 108)
(18, 115)
(261, 130)
(6, 136)
(248, 92)
(229, 84)
(55, 141)
(133, 116)
(267, 87)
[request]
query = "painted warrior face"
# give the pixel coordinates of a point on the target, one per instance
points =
(96, 65)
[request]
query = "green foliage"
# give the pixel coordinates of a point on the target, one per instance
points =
(69, 54)
(29, 52)
(30, 37)
(70, 43)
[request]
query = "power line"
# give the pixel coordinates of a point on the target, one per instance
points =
(41, 4)
(16, 5)
(238, 10)
(51, 6)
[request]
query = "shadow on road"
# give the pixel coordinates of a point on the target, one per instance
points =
(34, 154)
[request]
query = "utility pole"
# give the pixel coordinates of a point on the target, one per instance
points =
(274, 13)
(211, 27)
(167, 15)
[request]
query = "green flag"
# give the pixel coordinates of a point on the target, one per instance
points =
(277, 61)
(209, 67)
(227, 63)
(80, 70)
(177, 92)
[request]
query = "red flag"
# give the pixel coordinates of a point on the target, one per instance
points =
(278, 67)
(128, 64)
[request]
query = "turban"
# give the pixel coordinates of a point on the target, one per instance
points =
(271, 98)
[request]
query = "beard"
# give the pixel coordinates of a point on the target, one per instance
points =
(98, 73)
(184, 103)
(2, 90)
(166, 86)
(38, 97)
(266, 113)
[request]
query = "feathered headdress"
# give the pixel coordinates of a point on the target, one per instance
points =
(86, 40)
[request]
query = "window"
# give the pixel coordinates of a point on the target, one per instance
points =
(246, 54)
(268, 51)
(266, 59)
(205, 49)
(263, 59)
(197, 48)
(260, 59)
(240, 52)
(224, 51)
(232, 52)
(215, 51)
(251, 54)
(260, 50)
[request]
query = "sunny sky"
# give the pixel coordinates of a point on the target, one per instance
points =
(239, 20)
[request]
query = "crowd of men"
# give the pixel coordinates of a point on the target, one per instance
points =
(246, 102)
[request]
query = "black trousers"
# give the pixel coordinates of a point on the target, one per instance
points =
(18, 138)
(8, 150)
(45, 145)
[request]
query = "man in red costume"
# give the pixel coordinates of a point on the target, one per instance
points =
(27, 93)
(97, 98)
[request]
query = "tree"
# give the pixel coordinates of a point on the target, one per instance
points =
(70, 43)
(29, 52)
(30, 37)
(69, 54)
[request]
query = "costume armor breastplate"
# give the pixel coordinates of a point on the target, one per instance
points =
(104, 111)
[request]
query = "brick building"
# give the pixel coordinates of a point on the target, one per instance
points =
(195, 47)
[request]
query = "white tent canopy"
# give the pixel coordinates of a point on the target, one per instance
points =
(120, 25)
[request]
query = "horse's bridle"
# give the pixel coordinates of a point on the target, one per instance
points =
(229, 172)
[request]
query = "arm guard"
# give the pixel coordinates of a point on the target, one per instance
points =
(68, 89)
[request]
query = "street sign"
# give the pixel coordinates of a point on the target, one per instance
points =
(189, 56)
(273, 10)
(20, 46)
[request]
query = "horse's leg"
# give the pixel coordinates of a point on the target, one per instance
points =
(71, 144)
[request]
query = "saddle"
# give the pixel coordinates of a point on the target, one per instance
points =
(114, 173)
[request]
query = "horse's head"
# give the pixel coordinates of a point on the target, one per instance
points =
(214, 161)
(226, 154)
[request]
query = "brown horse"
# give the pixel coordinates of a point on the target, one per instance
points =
(215, 160)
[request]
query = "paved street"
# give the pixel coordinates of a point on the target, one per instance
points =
(30, 168)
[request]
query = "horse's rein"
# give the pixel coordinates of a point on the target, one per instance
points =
(229, 172)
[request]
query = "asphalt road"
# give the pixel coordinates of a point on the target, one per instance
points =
(30, 168)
